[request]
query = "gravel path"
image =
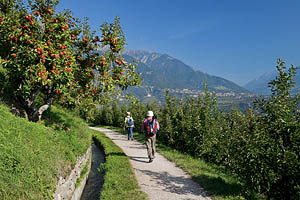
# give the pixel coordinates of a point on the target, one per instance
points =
(160, 179)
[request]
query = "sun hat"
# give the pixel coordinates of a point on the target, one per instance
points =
(149, 113)
(128, 113)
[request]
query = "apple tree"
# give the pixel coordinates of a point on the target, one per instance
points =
(48, 56)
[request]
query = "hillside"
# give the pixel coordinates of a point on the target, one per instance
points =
(161, 72)
(33, 156)
(259, 85)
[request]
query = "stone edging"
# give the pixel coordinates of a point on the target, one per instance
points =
(65, 188)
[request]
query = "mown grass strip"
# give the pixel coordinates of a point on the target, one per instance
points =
(215, 180)
(119, 179)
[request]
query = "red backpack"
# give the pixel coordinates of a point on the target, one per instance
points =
(151, 127)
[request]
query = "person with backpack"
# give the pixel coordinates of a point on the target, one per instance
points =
(129, 124)
(150, 126)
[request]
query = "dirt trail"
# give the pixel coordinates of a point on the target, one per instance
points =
(161, 179)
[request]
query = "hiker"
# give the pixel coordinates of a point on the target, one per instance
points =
(150, 127)
(129, 124)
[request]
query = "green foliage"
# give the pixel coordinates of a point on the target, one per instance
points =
(114, 114)
(32, 156)
(278, 137)
(106, 115)
(50, 56)
(118, 114)
(86, 110)
(261, 146)
(188, 121)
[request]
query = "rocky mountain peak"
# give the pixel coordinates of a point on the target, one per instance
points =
(144, 56)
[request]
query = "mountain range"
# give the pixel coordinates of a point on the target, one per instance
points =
(260, 85)
(161, 72)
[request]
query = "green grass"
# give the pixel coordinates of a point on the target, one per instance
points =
(215, 180)
(33, 156)
(119, 179)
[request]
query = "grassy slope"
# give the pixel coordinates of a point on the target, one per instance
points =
(32, 156)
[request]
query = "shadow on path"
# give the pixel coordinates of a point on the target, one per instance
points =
(119, 139)
(175, 184)
(139, 159)
(137, 147)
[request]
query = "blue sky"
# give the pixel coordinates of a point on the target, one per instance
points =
(235, 39)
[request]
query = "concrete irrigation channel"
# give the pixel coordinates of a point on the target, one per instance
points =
(92, 189)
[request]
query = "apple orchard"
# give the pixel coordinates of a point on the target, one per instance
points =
(48, 56)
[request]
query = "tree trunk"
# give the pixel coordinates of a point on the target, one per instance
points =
(28, 107)
(45, 107)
